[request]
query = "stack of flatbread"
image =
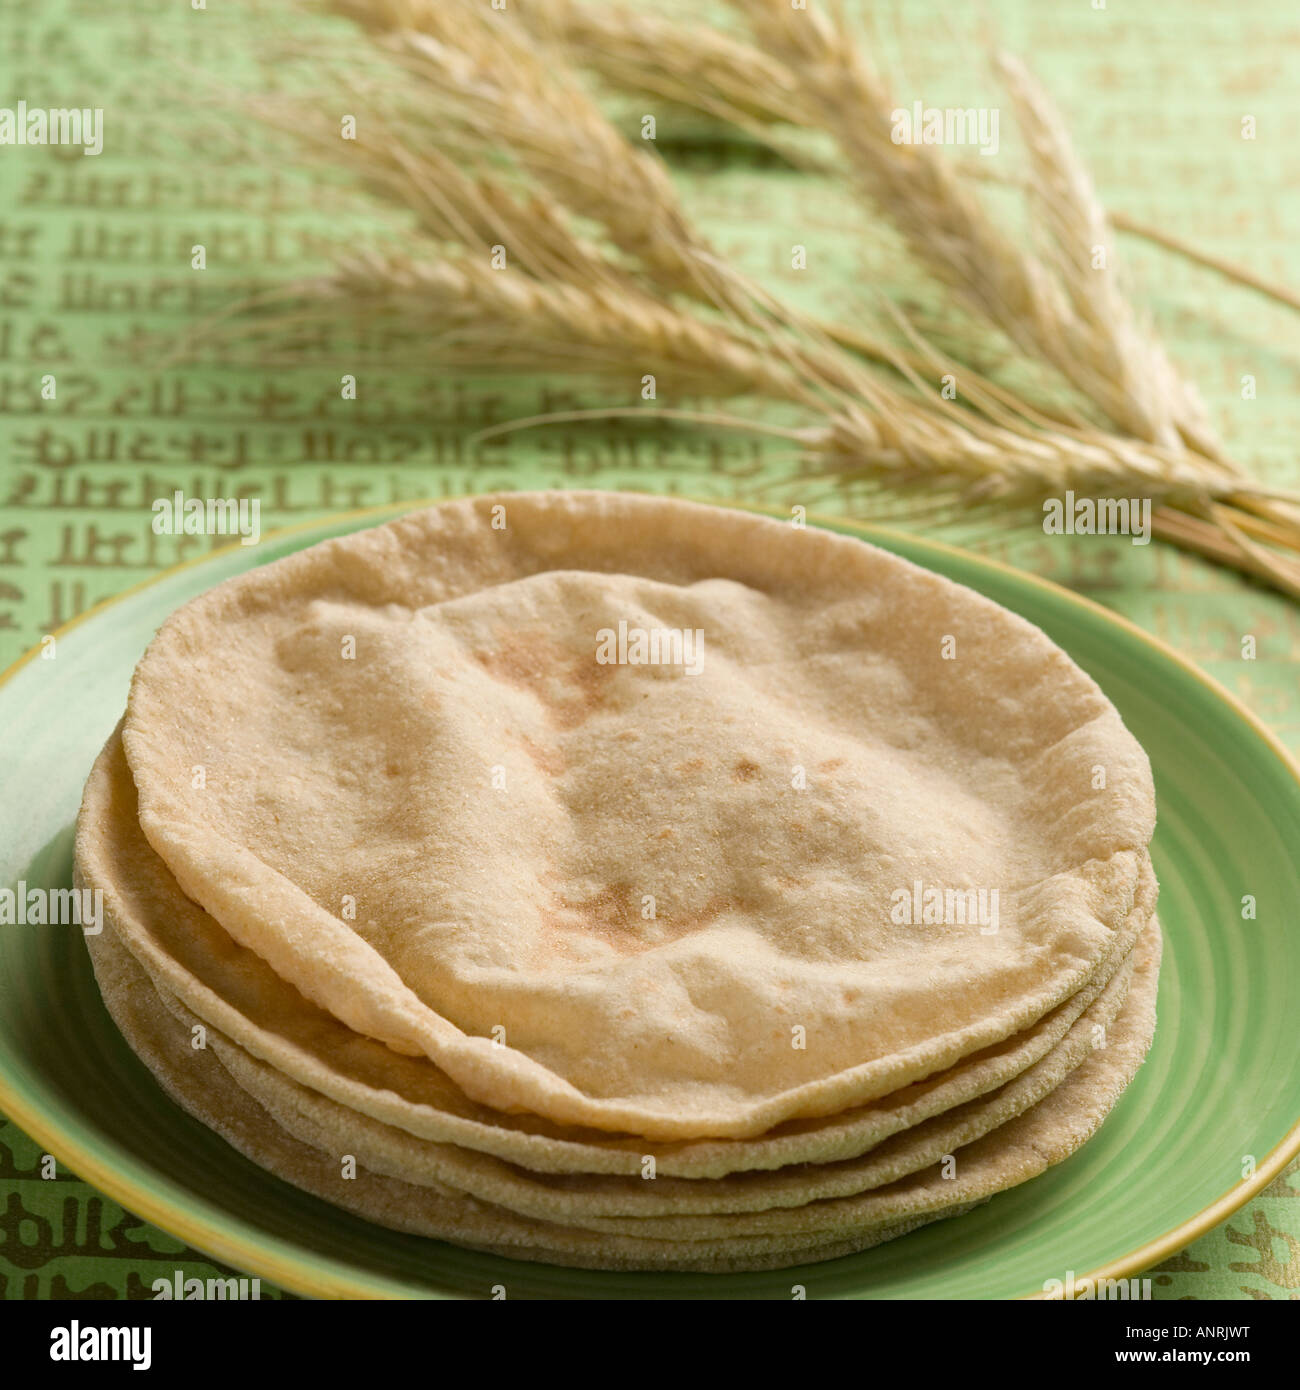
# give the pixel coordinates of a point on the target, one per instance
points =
(626, 883)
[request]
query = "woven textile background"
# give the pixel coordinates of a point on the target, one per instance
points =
(95, 252)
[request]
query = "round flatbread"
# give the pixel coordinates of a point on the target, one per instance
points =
(189, 955)
(1019, 1150)
(587, 1199)
(614, 807)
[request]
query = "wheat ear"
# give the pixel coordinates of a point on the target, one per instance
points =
(541, 316)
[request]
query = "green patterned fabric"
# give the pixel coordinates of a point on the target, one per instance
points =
(95, 252)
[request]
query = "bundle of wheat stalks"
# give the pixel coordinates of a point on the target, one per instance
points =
(548, 241)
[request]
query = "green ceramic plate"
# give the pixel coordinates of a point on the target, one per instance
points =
(1210, 1120)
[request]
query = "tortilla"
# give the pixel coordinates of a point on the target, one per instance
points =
(187, 954)
(1021, 1149)
(396, 767)
(586, 1199)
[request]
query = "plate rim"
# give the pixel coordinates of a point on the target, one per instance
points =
(204, 1235)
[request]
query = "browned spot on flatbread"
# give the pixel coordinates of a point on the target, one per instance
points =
(569, 686)
(523, 659)
(549, 760)
(613, 915)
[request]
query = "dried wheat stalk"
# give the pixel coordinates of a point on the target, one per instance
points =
(948, 229)
(753, 90)
(698, 67)
(1127, 366)
(464, 313)
(503, 95)
(500, 146)
(488, 93)
(467, 313)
